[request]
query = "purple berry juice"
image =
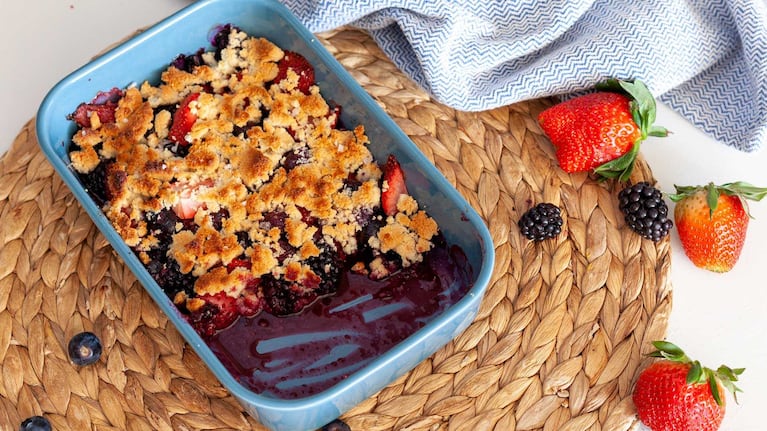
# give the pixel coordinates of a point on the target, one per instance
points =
(301, 355)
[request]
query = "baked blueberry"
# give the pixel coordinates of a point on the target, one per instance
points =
(84, 348)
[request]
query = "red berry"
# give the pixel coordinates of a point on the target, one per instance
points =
(103, 105)
(394, 185)
(601, 131)
(712, 222)
(678, 394)
(183, 120)
(300, 65)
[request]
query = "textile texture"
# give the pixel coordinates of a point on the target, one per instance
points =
(707, 60)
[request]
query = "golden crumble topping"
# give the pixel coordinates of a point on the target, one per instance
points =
(262, 182)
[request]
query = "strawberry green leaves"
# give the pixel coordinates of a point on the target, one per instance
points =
(743, 190)
(601, 131)
(643, 111)
(643, 107)
(698, 374)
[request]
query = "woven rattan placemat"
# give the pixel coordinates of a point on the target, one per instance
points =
(556, 345)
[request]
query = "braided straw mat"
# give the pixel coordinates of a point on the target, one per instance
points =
(557, 343)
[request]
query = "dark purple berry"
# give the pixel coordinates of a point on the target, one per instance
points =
(274, 219)
(218, 217)
(169, 277)
(280, 299)
(162, 225)
(352, 183)
(336, 425)
(220, 38)
(327, 266)
(84, 348)
(95, 182)
(541, 222)
(243, 238)
(645, 211)
(189, 62)
(176, 149)
(35, 423)
(293, 158)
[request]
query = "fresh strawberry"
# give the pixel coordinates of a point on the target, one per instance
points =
(679, 394)
(712, 221)
(394, 185)
(601, 131)
(299, 65)
(183, 120)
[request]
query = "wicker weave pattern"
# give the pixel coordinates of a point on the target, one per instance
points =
(556, 346)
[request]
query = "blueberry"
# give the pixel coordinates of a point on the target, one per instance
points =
(84, 348)
(336, 425)
(35, 423)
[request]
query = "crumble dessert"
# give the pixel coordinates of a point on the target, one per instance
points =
(236, 185)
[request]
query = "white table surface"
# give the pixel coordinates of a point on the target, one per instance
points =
(716, 318)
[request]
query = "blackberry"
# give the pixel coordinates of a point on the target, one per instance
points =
(84, 348)
(243, 238)
(95, 182)
(218, 217)
(541, 222)
(328, 266)
(169, 277)
(645, 211)
(162, 225)
(220, 38)
(280, 299)
(176, 149)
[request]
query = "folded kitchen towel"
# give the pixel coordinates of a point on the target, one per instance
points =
(705, 59)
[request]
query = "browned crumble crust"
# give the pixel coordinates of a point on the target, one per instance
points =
(243, 173)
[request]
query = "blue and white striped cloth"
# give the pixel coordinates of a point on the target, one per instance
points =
(705, 59)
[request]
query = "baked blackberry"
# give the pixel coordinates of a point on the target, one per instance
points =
(95, 182)
(541, 222)
(645, 211)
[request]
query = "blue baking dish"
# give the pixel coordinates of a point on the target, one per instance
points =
(144, 56)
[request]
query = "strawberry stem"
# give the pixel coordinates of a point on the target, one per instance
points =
(643, 111)
(621, 167)
(742, 190)
(698, 374)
